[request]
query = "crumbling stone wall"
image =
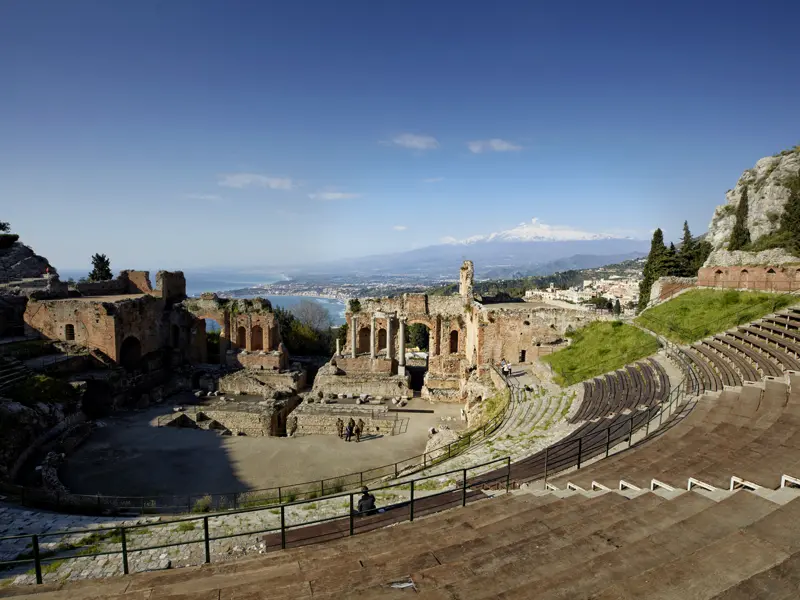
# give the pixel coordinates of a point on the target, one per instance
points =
(266, 384)
(506, 332)
(667, 287)
(321, 418)
(245, 324)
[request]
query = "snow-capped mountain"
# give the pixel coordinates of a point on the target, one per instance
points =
(534, 231)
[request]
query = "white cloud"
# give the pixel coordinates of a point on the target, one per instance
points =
(399, 227)
(244, 180)
(534, 231)
(415, 142)
(493, 145)
(203, 197)
(333, 196)
(433, 179)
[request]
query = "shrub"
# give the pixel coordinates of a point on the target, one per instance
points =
(203, 505)
(7, 240)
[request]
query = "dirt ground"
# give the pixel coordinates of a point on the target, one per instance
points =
(130, 456)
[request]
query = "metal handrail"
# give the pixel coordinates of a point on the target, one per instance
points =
(264, 497)
(465, 486)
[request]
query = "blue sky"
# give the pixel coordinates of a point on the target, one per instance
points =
(190, 134)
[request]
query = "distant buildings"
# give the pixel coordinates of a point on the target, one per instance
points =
(615, 287)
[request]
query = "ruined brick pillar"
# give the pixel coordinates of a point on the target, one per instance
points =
(466, 280)
(354, 334)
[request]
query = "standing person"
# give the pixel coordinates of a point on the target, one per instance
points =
(361, 425)
(340, 428)
(351, 423)
(357, 431)
(348, 433)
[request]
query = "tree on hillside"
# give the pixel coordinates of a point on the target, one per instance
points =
(688, 252)
(652, 266)
(300, 338)
(617, 308)
(101, 268)
(740, 235)
(5, 227)
(312, 314)
(341, 335)
(790, 221)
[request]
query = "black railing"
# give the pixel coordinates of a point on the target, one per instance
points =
(116, 541)
(226, 501)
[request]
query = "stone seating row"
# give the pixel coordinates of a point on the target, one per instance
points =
(600, 545)
(644, 383)
(752, 434)
(767, 347)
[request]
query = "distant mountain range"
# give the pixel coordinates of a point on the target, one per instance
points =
(494, 257)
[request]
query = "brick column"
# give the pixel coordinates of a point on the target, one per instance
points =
(354, 334)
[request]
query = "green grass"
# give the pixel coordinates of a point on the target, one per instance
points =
(185, 526)
(700, 313)
(598, 348)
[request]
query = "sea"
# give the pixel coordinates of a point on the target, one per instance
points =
(197, 284)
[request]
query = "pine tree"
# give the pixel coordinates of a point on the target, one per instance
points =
(688, 252)
(101, 268)
(670, 264)
(740, 236)
(652, 267)
(617, 308)
(790, 221)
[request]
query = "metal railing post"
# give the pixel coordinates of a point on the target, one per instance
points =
(464, 488)
(630, 431)
(37, 562)
(124, 551)
(508, 473)
(411, 510)
(280, 500)
(283, 527)
(546, 456)
(322, 487)
(647, 426)
(608, 441)
(580, 450)
(206, 540)
(395, 470)
(351, 514)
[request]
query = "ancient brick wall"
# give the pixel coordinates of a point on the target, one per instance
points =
(507, 333)
(260, 360)
(779, 278)
(89, 324)
(171, 285)
(321, 418)
(666, 287)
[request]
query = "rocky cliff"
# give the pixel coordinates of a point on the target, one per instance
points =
(21, 262)
(768, 191)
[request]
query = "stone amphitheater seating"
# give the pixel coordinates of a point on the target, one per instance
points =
(695, 511)
(644, 383)
(752, 434)
(541, 545)
(11, 372)
(768, 347)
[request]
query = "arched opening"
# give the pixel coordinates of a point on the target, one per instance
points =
(69, 332)
(381, 339)
(130, 353)
(175, 336)
(744, 278)
(363, 340)
(717, 277)
(212, 345)
(417, 345)
(257, 338)
(241, 337)
(454, 342)
(770, 278)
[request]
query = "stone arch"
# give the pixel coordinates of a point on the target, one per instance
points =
(381, 340)
(744, 278)
(363, 340)
(717, 277)
(454, 341)
(175, 336)
(256, 338)
(69, 332)
(130, 353)
(241, 337)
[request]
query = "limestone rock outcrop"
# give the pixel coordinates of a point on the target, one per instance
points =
(21, 262)
(768, 190)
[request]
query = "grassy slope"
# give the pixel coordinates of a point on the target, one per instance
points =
(598, 348)
(699, 313)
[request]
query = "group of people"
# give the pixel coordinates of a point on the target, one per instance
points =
(352, 428)
(505, 367)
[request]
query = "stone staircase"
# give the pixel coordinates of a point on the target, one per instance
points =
(11, 372)
(528, 544)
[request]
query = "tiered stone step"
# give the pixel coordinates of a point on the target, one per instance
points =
(11, 372)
